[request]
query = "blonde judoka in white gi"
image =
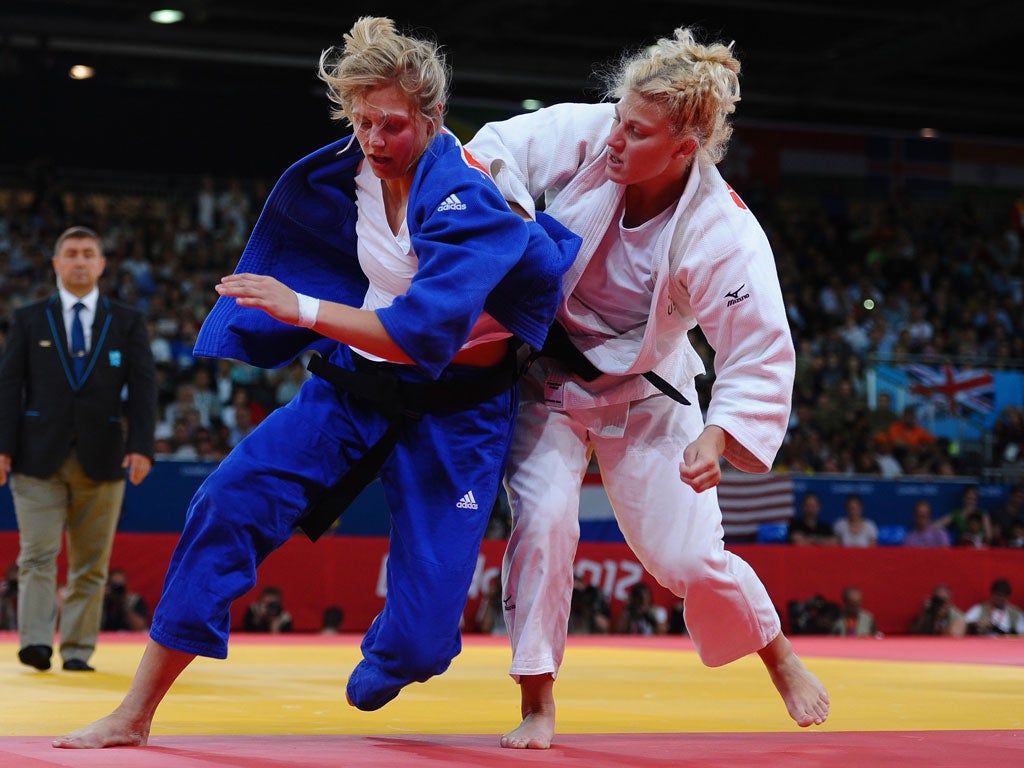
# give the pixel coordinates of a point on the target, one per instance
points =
(667, 245)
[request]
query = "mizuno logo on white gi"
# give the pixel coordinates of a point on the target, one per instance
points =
(468, 502)
(452, 203)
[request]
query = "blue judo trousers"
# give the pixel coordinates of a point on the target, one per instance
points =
(250, 505)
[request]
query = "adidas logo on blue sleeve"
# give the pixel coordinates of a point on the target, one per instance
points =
(452, 203)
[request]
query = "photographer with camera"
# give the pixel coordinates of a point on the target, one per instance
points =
(268, 614)
(939, 616)
(122, 610)
(997, 615)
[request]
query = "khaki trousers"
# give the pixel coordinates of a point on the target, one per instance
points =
(88, 511)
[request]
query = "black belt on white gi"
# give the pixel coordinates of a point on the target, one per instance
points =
(379, 386)
(559, 346)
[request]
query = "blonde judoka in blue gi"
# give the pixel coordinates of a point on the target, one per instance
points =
(397, 248)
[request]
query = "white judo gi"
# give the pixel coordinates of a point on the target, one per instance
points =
(704, 261)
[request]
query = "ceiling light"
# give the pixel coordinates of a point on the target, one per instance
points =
(166, 16)
(531, 104)
(81, 72)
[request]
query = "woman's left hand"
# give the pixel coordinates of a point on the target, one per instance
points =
(701, 467)
(262, 292)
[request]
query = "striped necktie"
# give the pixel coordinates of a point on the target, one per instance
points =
(78, 341)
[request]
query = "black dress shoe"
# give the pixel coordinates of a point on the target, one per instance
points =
(37, 656)
(77, 665)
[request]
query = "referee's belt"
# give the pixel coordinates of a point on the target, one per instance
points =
(400, 400)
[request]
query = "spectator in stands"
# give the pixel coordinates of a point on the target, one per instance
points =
(808, 527)
(1015, 537)
(243, 412)
(206, 214)
(956, 520)
(908, 437)
(204, 396)
(867, 463)
(973, 535)
(417, 383)
(589, 612)
(242, 425)
(939, 615)
(289, 382)
(881, 417)
(640, 615)
(855, 334)
(924, 532)
(159, 345)
(1008, 437)
(677, 618)
(623, 182)
(854, 620)
(997, 615)
(332, 620)
(1008, 513)
(224, 381)
(920, 329)
(889, 466)
(184, 402)
(233, 210)
(123, 610)
(814, 616)
(267, 613)
(855, 530)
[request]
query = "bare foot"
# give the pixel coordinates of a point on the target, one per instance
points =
(114, 730)
(535, 732)
(538, 707)
(804, 695)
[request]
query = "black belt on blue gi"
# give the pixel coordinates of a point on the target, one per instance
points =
(559, 346)
(377, 385)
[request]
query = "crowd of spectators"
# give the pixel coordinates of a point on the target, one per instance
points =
(863, 281)
(966, 525)
(891, 281)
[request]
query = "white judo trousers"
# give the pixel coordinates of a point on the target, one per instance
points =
(675, 533)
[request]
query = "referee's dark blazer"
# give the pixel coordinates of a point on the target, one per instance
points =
(44, 411)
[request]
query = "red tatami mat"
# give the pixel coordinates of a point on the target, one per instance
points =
(897, 701)
(907, 749)
(1006, 650)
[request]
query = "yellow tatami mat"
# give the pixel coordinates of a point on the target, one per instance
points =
(607, 685)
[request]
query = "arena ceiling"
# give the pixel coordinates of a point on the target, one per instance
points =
(233, 83)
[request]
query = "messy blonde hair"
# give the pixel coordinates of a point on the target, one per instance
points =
(698, 86)
(375, 54)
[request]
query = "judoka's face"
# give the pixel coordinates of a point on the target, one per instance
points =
(641, 145)
(391, 131)
(79, 264)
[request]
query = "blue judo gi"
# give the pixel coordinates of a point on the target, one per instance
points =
(441, 479)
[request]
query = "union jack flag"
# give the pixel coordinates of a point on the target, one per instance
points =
(956, 403)
(956, 392)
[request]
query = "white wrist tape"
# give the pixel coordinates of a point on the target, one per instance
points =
(309, 308)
